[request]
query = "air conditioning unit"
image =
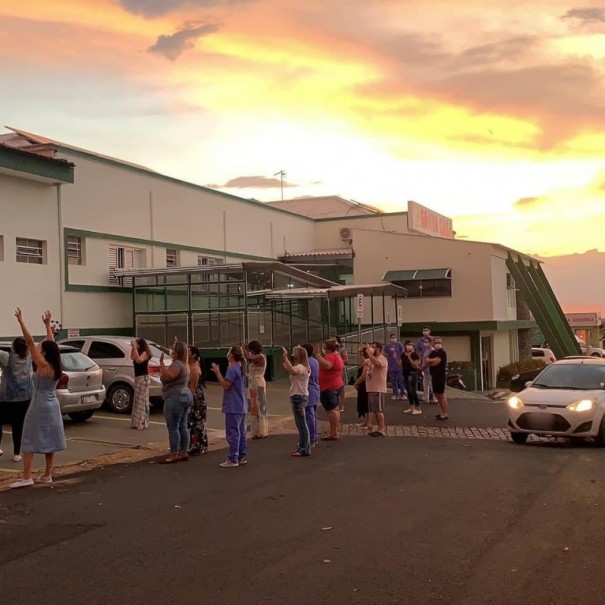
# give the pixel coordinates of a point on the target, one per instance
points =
(345, 234)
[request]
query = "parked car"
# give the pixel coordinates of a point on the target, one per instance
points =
(567, 399)
(112, 353)
(546, 355)
(80, 389)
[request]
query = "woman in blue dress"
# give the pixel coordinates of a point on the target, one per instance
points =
(43, 428)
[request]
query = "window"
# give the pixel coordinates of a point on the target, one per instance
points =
(123, 258)
(510, 282)
(105, 350)
(207, 261)
(427, 288)
(203, 261)
(32, 251)
(76, 344)
(75, 254)
(172, 259)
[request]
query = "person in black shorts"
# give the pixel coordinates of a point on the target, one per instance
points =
(436, 362)
(410, 364)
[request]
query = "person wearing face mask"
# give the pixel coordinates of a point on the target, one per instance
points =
(424, 346)
(392, 351)
(410, 364)
(376, 386)
(436, 363)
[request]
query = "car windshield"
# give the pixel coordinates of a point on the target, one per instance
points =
(579, 376)
(74, 361)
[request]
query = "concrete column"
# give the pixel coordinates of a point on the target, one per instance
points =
(525, 334)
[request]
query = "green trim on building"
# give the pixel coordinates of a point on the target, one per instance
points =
(437, 328)
(169, 179)
(532, 282)
(67, 231)
(40, 166)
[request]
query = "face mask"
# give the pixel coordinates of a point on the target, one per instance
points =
(393, 340)
(409, 348)
(438, 347)
(425, 332)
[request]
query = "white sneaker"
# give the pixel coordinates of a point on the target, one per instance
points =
(408, 411)
(1, 452)
(417, 413)
(22, 483)
(394, 397)
(403, 398)
(17, 458)
(44, 479)
(228, 464)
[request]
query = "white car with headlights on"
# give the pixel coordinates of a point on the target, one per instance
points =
(567, 399)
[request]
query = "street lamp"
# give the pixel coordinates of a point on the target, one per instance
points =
(281, 174)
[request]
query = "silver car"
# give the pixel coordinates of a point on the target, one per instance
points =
(80, 389)
(567, 399)
(112, 353)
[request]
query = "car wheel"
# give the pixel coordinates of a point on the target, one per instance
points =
(519, 437)
(81, 416)
(120, 398)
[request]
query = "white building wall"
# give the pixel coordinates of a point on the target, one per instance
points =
(327, 232)
(28, 209)
(504, 300)
(114, 205)
(376, 253)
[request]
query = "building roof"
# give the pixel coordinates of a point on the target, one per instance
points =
(44, 146)
(21, 163)
(331, 206)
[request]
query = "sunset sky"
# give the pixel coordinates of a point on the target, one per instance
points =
(492, 113)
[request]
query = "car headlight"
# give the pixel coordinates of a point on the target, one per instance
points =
(515, 403)
(585, 405)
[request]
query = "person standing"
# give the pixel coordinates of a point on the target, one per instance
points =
(177, 401)
(345, 359)
(376, 385)
(259, 427)
(198, 412)
(331, 384)
(313, 399)
(424, 346)
(234, 407)
(15, 391)
(140, 353)
(410, 365)
(363, 411)
(43, 431)
(436, 362)
(299, 372)
(393, 351)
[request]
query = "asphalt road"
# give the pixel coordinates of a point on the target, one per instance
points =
(389, 521)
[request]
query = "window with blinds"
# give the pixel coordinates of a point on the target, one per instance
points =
(122, 258)
(172, 259)
(206, 261)
(31, 251)
(75, 255)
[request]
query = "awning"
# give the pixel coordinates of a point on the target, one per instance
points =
(384, 289)
(417, 274)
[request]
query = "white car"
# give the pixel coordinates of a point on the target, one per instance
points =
(80, 389)
(545, 355)
(112, 354)
(567, 399)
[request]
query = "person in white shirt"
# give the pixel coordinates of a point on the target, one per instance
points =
(376, 385)
(299, 372)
